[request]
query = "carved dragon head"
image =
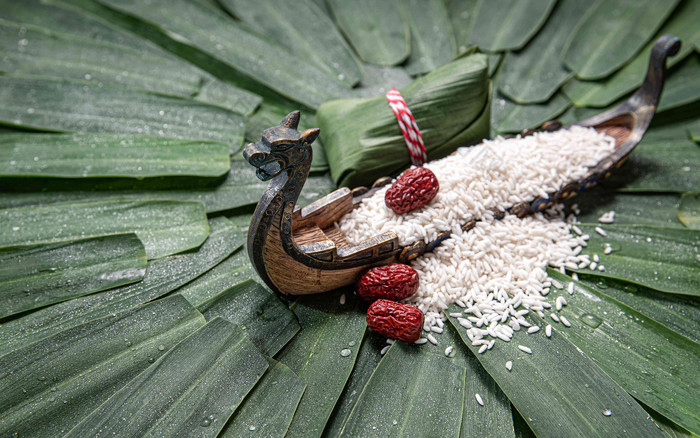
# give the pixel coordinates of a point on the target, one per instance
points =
(281, 148)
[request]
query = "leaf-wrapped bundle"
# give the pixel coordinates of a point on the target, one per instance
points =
(362, 138)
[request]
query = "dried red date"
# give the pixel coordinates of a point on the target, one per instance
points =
(412, 189)
(392, 282)
(395, 320)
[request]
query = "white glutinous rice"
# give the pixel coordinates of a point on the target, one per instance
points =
(548, 331)
(525, 349)
(478, 399)
(384, 350)
(421, 341)
(533, 329)
(477, 180)
(607, 217)
(601, 231)
(565, 321)
(498, 269)
(448, 350)
(342, 299)
(509, 365)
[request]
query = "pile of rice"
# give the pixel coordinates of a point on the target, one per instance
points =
(496, 271)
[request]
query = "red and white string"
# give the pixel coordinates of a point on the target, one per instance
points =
(409, 128)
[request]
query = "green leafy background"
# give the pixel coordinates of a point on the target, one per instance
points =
(128, 301)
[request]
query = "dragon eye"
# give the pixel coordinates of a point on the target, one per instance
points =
(283, 146)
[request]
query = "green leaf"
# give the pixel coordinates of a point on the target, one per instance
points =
(677, 312)
(509, 24)
(630, 208)
(368, 358)
(509, 117)
(535, 73)
(494, 62)
(268, 410)
(651, 362)
(403, 397)
(376, 30)
(239, 188)
(559, 390)
(376, 81)
(57, 18)
(316, 355)
(162, 276)
(169, 399)
(38, 275)
(268, 323)
(659, 166)
(682, 86)
(611, 33)
(36, 51)
(689, 210)
(81, 106)
(495, 417)
(665, 259)
(255, 59)
(303, 28)
(164, 227)
(105, 155)
(629, 77)
(48, 387)
(432, 42)
(221, 277)
(461, 13)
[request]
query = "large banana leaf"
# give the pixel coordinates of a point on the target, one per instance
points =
(611, 33)
(630, 208)
(376, 30)
(38, 275)
(50, 386)
(222, 366)
(270, 406)
(162, 276)
(53, 17)
(683, 86)
(509, 117)
(665, 259)
(494, 31)
(535, 73)
(82, 106)
(629, 77)
(461, 13)
(317, 41)
(659, 166)
(677, 312)
(689, 210)
(492, 419)
(432, 43)
(323, 355)
(105, 155)
(164, 227)
(240, 187)
(368, 358)
(255, 59)
(559, 390)
(267, 322)
(404, 398)
(650, 361)
(36, 51)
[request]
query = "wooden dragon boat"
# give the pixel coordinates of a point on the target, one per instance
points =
(299, 251)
